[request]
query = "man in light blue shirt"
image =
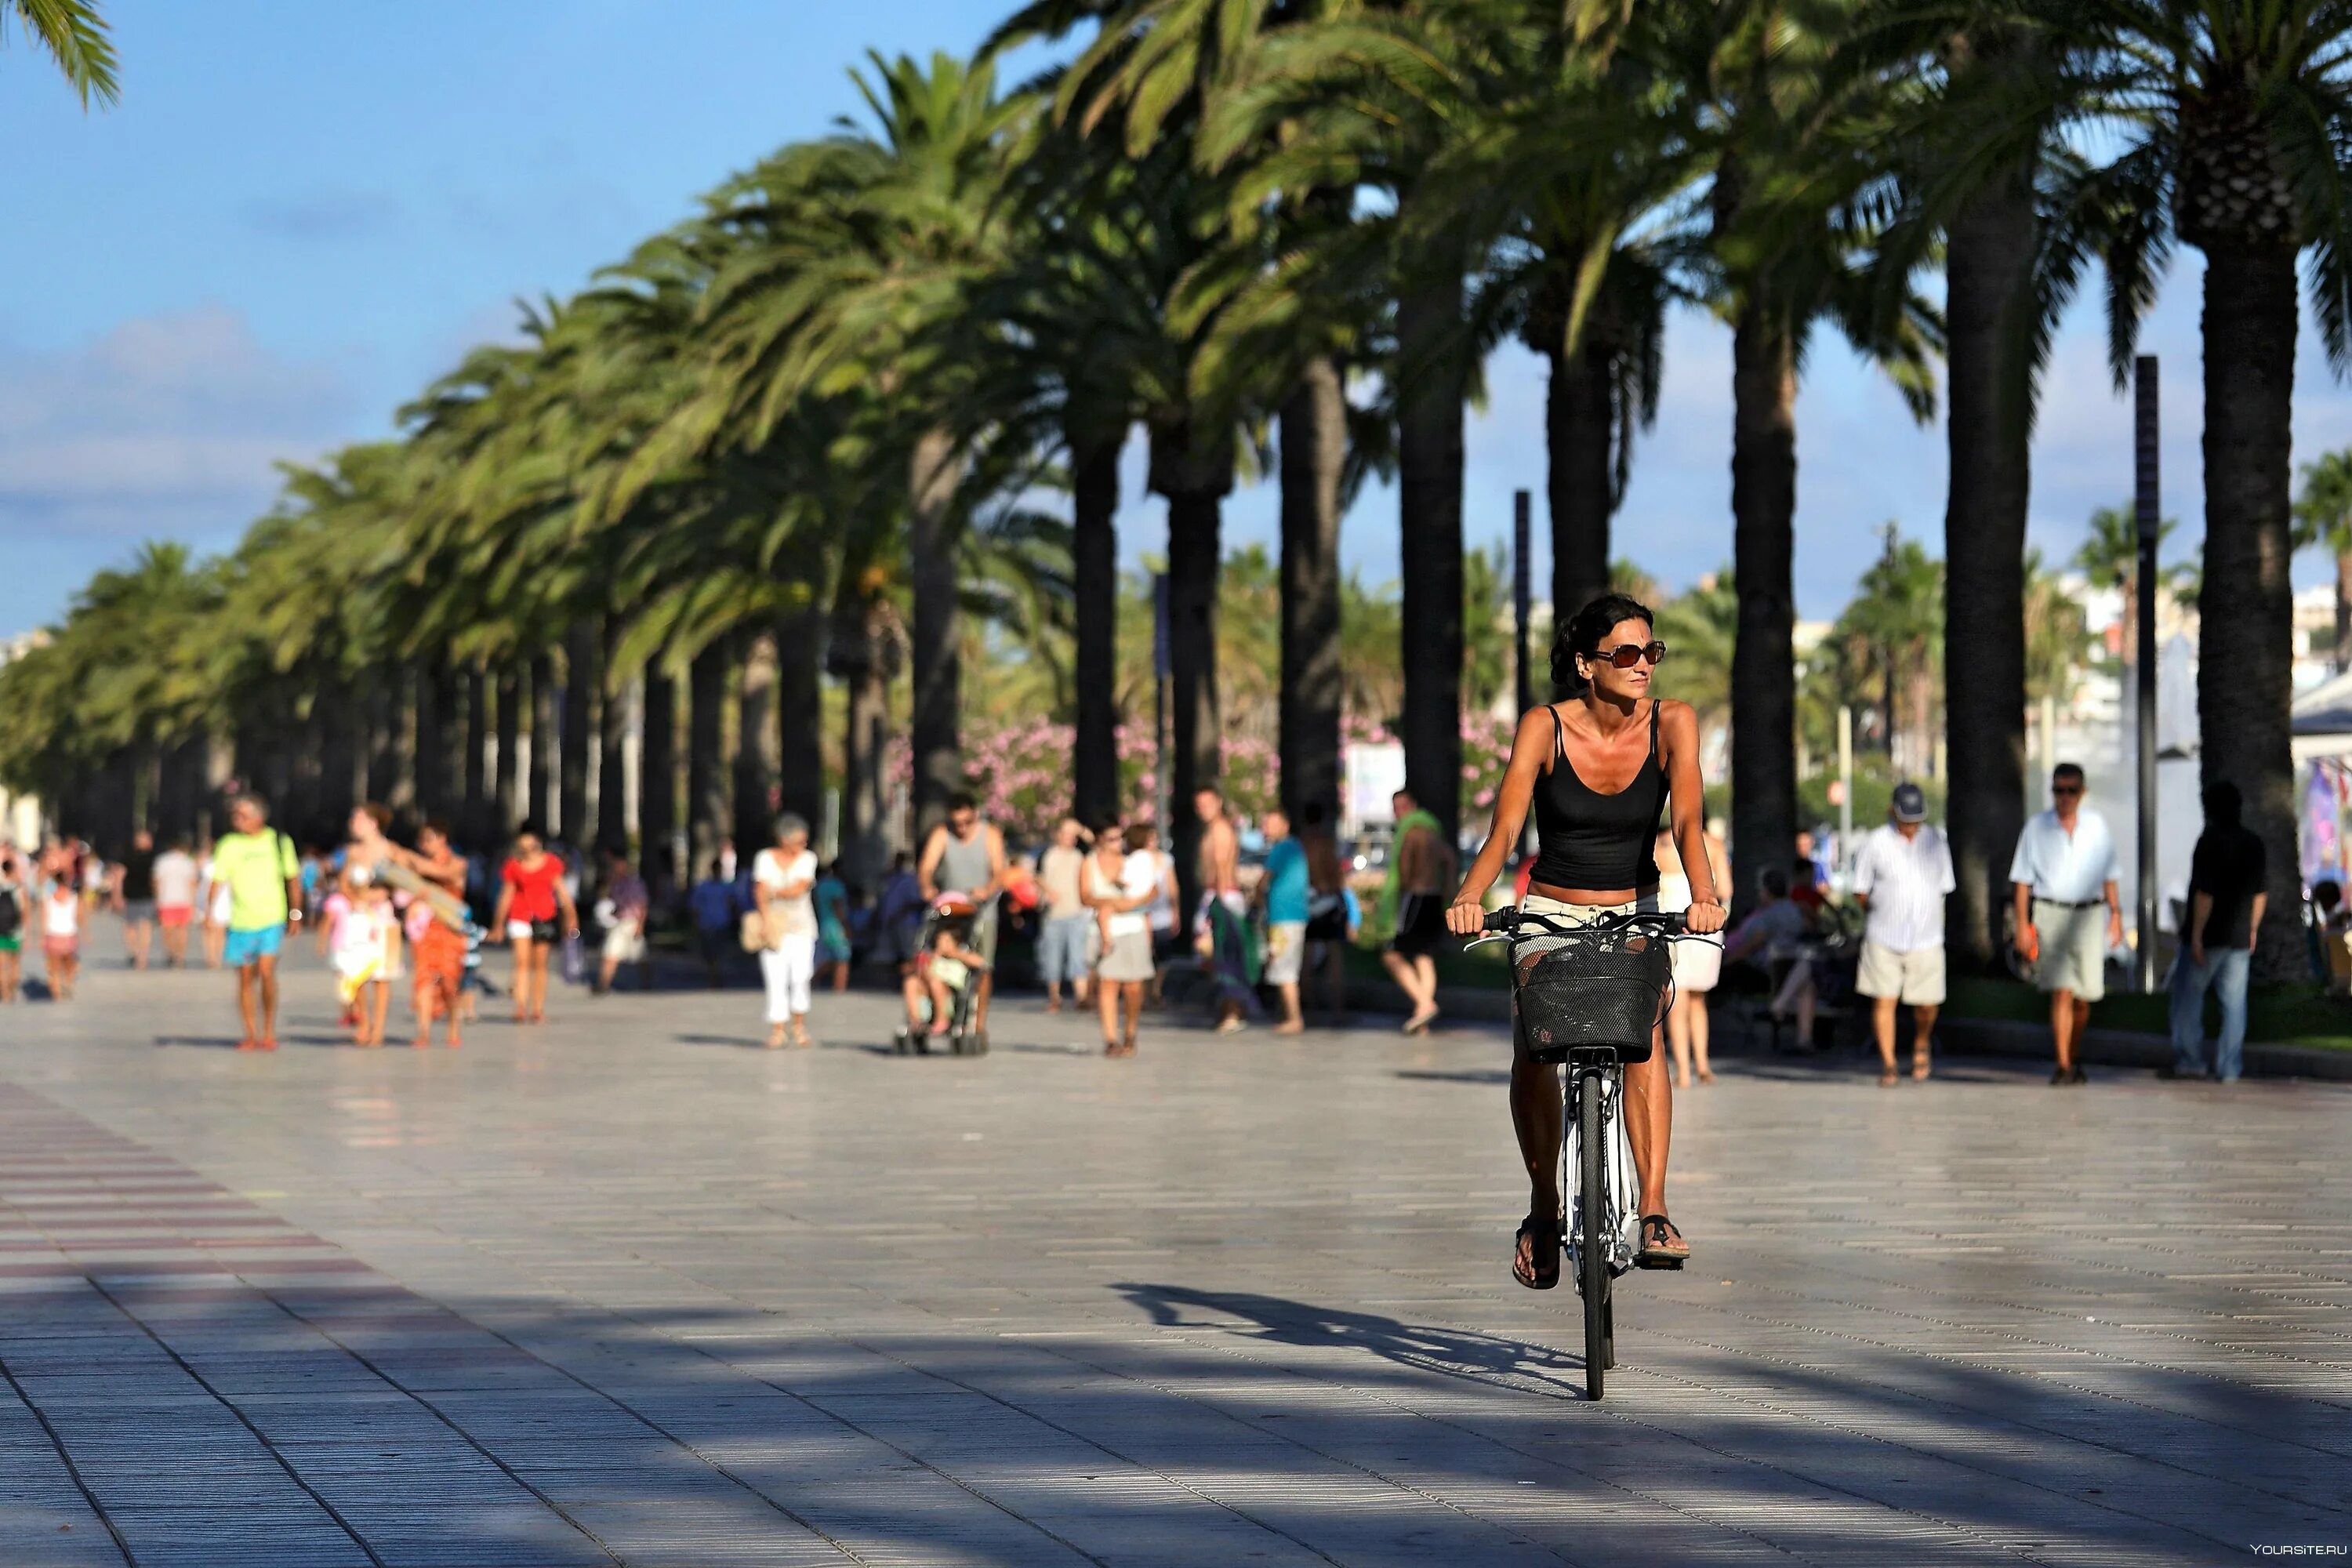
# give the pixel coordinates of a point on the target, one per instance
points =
(2063, 871)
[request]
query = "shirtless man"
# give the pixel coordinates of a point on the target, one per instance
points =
(1420, 869)
(1220, 925)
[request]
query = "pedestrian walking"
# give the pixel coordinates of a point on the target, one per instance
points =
(1284, 893)
(1062, 937)
(435, 932)
(1697, 960)
(782, 878)
(1118, 882)
(2063, 871)
(363, 944)
(1221, 931)
(628, 903)
(833, 945)
(177, 880)
(260, 877)
(1420, 865)
(534, 912)
(132, 891)
(1333, 915)
(2226, 901)
(1901, 879)
(15, 911)
(717, 906)
(60, 935)
(965, 855)
(217, 907)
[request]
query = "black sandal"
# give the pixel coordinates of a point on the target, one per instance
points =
(1540, 1233)
(1656, 1231)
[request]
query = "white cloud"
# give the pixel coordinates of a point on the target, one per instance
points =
(160, 422)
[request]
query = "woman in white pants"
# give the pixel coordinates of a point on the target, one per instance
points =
(782, 881)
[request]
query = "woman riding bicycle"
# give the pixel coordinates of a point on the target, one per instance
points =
(1597, 769)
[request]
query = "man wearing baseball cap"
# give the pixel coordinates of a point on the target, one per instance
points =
(1901, 879)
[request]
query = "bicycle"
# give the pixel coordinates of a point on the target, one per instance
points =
(1592, 1004)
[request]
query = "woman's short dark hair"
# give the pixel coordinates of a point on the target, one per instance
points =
(1582, 634)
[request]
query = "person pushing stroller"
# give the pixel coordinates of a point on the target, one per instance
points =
(941, 980)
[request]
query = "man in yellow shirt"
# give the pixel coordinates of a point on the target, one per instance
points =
(263, 875)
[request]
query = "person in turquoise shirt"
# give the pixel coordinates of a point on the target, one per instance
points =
(1283, 892)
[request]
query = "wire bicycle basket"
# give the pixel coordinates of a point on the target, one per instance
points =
(1593, 988)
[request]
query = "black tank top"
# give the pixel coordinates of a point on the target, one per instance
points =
(1593, 841)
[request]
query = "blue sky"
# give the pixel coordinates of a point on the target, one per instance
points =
(302, 213)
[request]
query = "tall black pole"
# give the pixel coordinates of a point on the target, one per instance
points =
(1522, 591)
(2144, 509)
(1163, 754)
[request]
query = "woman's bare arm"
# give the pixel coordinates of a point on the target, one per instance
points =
(1678, 737)
(1529, 749)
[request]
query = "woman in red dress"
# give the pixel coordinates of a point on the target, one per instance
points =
(531, 900)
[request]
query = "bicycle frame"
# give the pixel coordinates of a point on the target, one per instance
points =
(1603, 1070)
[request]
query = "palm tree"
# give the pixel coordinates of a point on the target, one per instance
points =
(1786, 245)
(849, 263)
(73, 34)
(2227, 121)
(2323, 517)
(2109, 559)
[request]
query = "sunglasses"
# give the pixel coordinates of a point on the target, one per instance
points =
(1626, 654)
(2065, 789)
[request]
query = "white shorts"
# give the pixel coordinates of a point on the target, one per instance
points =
(2074, 949)
(1914, 978)
(626, 943)
(1286, 952)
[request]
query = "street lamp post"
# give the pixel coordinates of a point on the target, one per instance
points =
(1522, 596)
(2144, 509)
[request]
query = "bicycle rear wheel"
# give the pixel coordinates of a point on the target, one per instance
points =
(1592, 1219)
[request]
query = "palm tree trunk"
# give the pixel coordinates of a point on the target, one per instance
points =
(612, 744)
(1989, 288)
(474, 772)
(1579, 428)
(403, 742)
(800, 716)
(339, 751)
(505, 813)
(385, 715)
(658, 782)
(938, 673)
(572, 782)
(431, 755)
(755, 754)
(856, 659)
(709, 802)
(1763, 669)
(2342, 611)
(544, 743)
(1314, 438)
(1093, 573)
(1429, 490)
(1194, 469)
(576, 760)
(2246, 653)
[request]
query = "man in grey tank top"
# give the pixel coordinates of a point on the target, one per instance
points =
(965, 855)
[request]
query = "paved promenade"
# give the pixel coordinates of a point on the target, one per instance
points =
(627, 1289)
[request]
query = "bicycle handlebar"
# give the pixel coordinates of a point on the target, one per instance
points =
(1506, 922)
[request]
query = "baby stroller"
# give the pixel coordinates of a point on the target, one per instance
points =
(945, 963)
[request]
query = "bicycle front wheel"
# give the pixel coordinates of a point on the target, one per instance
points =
(1593, 1223)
